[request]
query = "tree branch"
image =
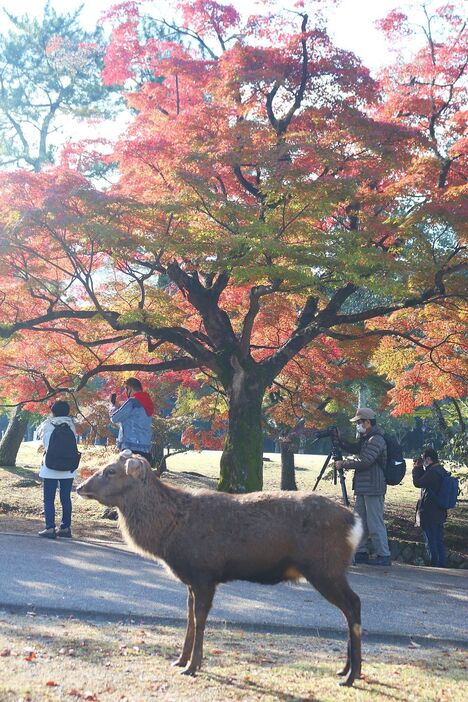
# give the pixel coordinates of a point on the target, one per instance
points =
(7, 330)
(283, 123)
(183, 363)
(255, 294)
(248, 185)
(205, 300)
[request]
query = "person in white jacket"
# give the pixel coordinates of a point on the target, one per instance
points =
(52, 478)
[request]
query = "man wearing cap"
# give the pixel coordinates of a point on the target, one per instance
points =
(369, 485)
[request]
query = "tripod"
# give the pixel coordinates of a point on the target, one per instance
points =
(335, 455)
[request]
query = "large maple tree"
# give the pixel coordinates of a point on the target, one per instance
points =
(272, 199)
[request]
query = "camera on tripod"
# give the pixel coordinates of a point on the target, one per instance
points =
(335, 455)
(331, 432)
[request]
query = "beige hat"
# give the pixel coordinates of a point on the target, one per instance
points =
(363, 413)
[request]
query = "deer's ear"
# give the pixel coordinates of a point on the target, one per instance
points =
(136, 467)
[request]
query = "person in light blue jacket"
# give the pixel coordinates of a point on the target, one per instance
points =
(134, 418)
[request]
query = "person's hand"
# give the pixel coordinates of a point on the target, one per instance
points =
(339, 464)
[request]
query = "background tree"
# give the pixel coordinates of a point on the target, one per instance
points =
(427, 363)
(265, 172)
(49, 80)
(13, 436)
(49, 73)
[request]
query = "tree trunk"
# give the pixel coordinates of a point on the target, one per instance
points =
(288, 475)
(461, 419)
(363, 394)
(242, 457)
(444, 427)
(161, 467)
(9, 446)
(157, 454)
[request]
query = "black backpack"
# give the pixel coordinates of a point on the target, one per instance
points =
(395, 468)
(62, 452)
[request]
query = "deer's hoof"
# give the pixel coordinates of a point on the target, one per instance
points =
(179, 663)
(189, 670)
(347, 681)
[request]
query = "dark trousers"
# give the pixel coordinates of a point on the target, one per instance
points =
(434, 539)
(50, 488)
(148, 456)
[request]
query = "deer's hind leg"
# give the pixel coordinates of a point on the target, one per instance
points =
(338, 592)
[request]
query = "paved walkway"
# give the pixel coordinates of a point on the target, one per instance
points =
(108, 579)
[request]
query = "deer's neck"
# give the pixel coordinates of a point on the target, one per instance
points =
(148, 521)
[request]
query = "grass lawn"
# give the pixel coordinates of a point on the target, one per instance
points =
(50, 658)
(20, 493)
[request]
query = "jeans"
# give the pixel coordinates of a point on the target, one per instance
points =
(371, 510)
(434, 539)
(50, 488)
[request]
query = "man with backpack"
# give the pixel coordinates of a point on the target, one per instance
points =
(369, 485)
(59, 463)
(429, 475)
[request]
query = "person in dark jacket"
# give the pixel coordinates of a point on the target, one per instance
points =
(134, 418)
(427, 475)
(369, 485)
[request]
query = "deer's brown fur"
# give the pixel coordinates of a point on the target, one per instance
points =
(207, 538)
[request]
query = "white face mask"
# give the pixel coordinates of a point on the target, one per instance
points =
(360, 428)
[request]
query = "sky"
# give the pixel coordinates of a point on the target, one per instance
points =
(351, 23)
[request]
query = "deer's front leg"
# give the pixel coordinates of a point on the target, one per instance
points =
(203, 597)
(190, 632)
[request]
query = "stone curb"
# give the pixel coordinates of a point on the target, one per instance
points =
(414, 552)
